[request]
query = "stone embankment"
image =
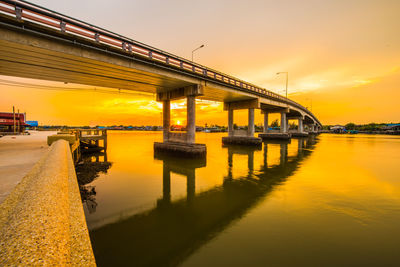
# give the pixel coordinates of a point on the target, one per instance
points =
(42, 220)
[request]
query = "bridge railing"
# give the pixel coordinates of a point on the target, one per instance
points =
(30, 12)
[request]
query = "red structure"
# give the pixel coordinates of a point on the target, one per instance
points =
(7, 122)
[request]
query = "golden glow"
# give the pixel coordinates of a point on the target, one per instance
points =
(348, 68)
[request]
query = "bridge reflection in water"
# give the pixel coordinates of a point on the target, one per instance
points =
(173, 230)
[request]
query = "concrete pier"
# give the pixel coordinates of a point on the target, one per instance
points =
(276, 136)
(181, 149)
(300, 129)
(180, 143)
(283, 134)
(238, 137)
(241, 140)
(299, 134)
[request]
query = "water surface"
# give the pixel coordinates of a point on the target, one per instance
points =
(333, 200)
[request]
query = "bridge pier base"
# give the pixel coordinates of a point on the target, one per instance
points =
(282, 135)
(312, 129)
(180, 144)
(300, 131)
(239, 138)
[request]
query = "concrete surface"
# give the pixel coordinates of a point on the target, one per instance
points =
(181, 149)
(280, 136)
(241, 140)
(42, 221)
(18, 154)
(68, 137)
(297, 134)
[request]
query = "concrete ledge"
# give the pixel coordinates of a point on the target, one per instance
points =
(241, 140)
(42, 220)
(181, 149)
(280, 136)
(296, 134)
(68, 137)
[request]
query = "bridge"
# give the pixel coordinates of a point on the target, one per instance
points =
(38, 43)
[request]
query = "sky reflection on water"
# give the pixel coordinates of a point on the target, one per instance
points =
(325, 201)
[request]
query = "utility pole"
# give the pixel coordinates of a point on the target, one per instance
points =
(18, 122)
(14, 119)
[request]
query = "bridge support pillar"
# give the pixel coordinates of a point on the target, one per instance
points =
(230, 123)
(191, 119)
(180, 143)
(283, 123)
(265, 122)
(238, 137)
(166, 119)
(300, 127)
(313, 129)
(250, 127)
(266, 135)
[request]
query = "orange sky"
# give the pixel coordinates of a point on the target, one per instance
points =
(343, 57)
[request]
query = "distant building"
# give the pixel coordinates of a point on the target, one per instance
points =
(7, 122)
(338, 129)
(392, 128)
(32, 123)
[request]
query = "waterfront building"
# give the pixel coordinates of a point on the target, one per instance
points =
(338, 129)
(12, 122)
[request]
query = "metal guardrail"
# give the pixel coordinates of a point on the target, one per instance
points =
(23, 10)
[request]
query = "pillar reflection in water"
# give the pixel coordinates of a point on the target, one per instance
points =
(167, 234)
(241, 150)
(186, 167)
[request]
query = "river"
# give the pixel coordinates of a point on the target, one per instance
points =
(330, 200)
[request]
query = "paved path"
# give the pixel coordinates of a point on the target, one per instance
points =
(18, 154)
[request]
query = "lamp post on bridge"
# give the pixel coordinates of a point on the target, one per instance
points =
(196, 50)
(287, 80)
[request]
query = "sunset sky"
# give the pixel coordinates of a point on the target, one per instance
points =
(343, 58)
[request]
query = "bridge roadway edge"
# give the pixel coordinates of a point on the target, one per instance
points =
(42, 220)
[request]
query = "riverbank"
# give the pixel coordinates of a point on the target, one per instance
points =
(42, 220)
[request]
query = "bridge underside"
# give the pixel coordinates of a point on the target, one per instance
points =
(30, 56)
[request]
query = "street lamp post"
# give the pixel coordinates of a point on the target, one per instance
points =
(287, 80)
(196, 49)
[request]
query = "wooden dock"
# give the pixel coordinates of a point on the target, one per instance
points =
(92, 140)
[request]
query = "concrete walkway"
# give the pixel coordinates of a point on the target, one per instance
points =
(18, 154)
